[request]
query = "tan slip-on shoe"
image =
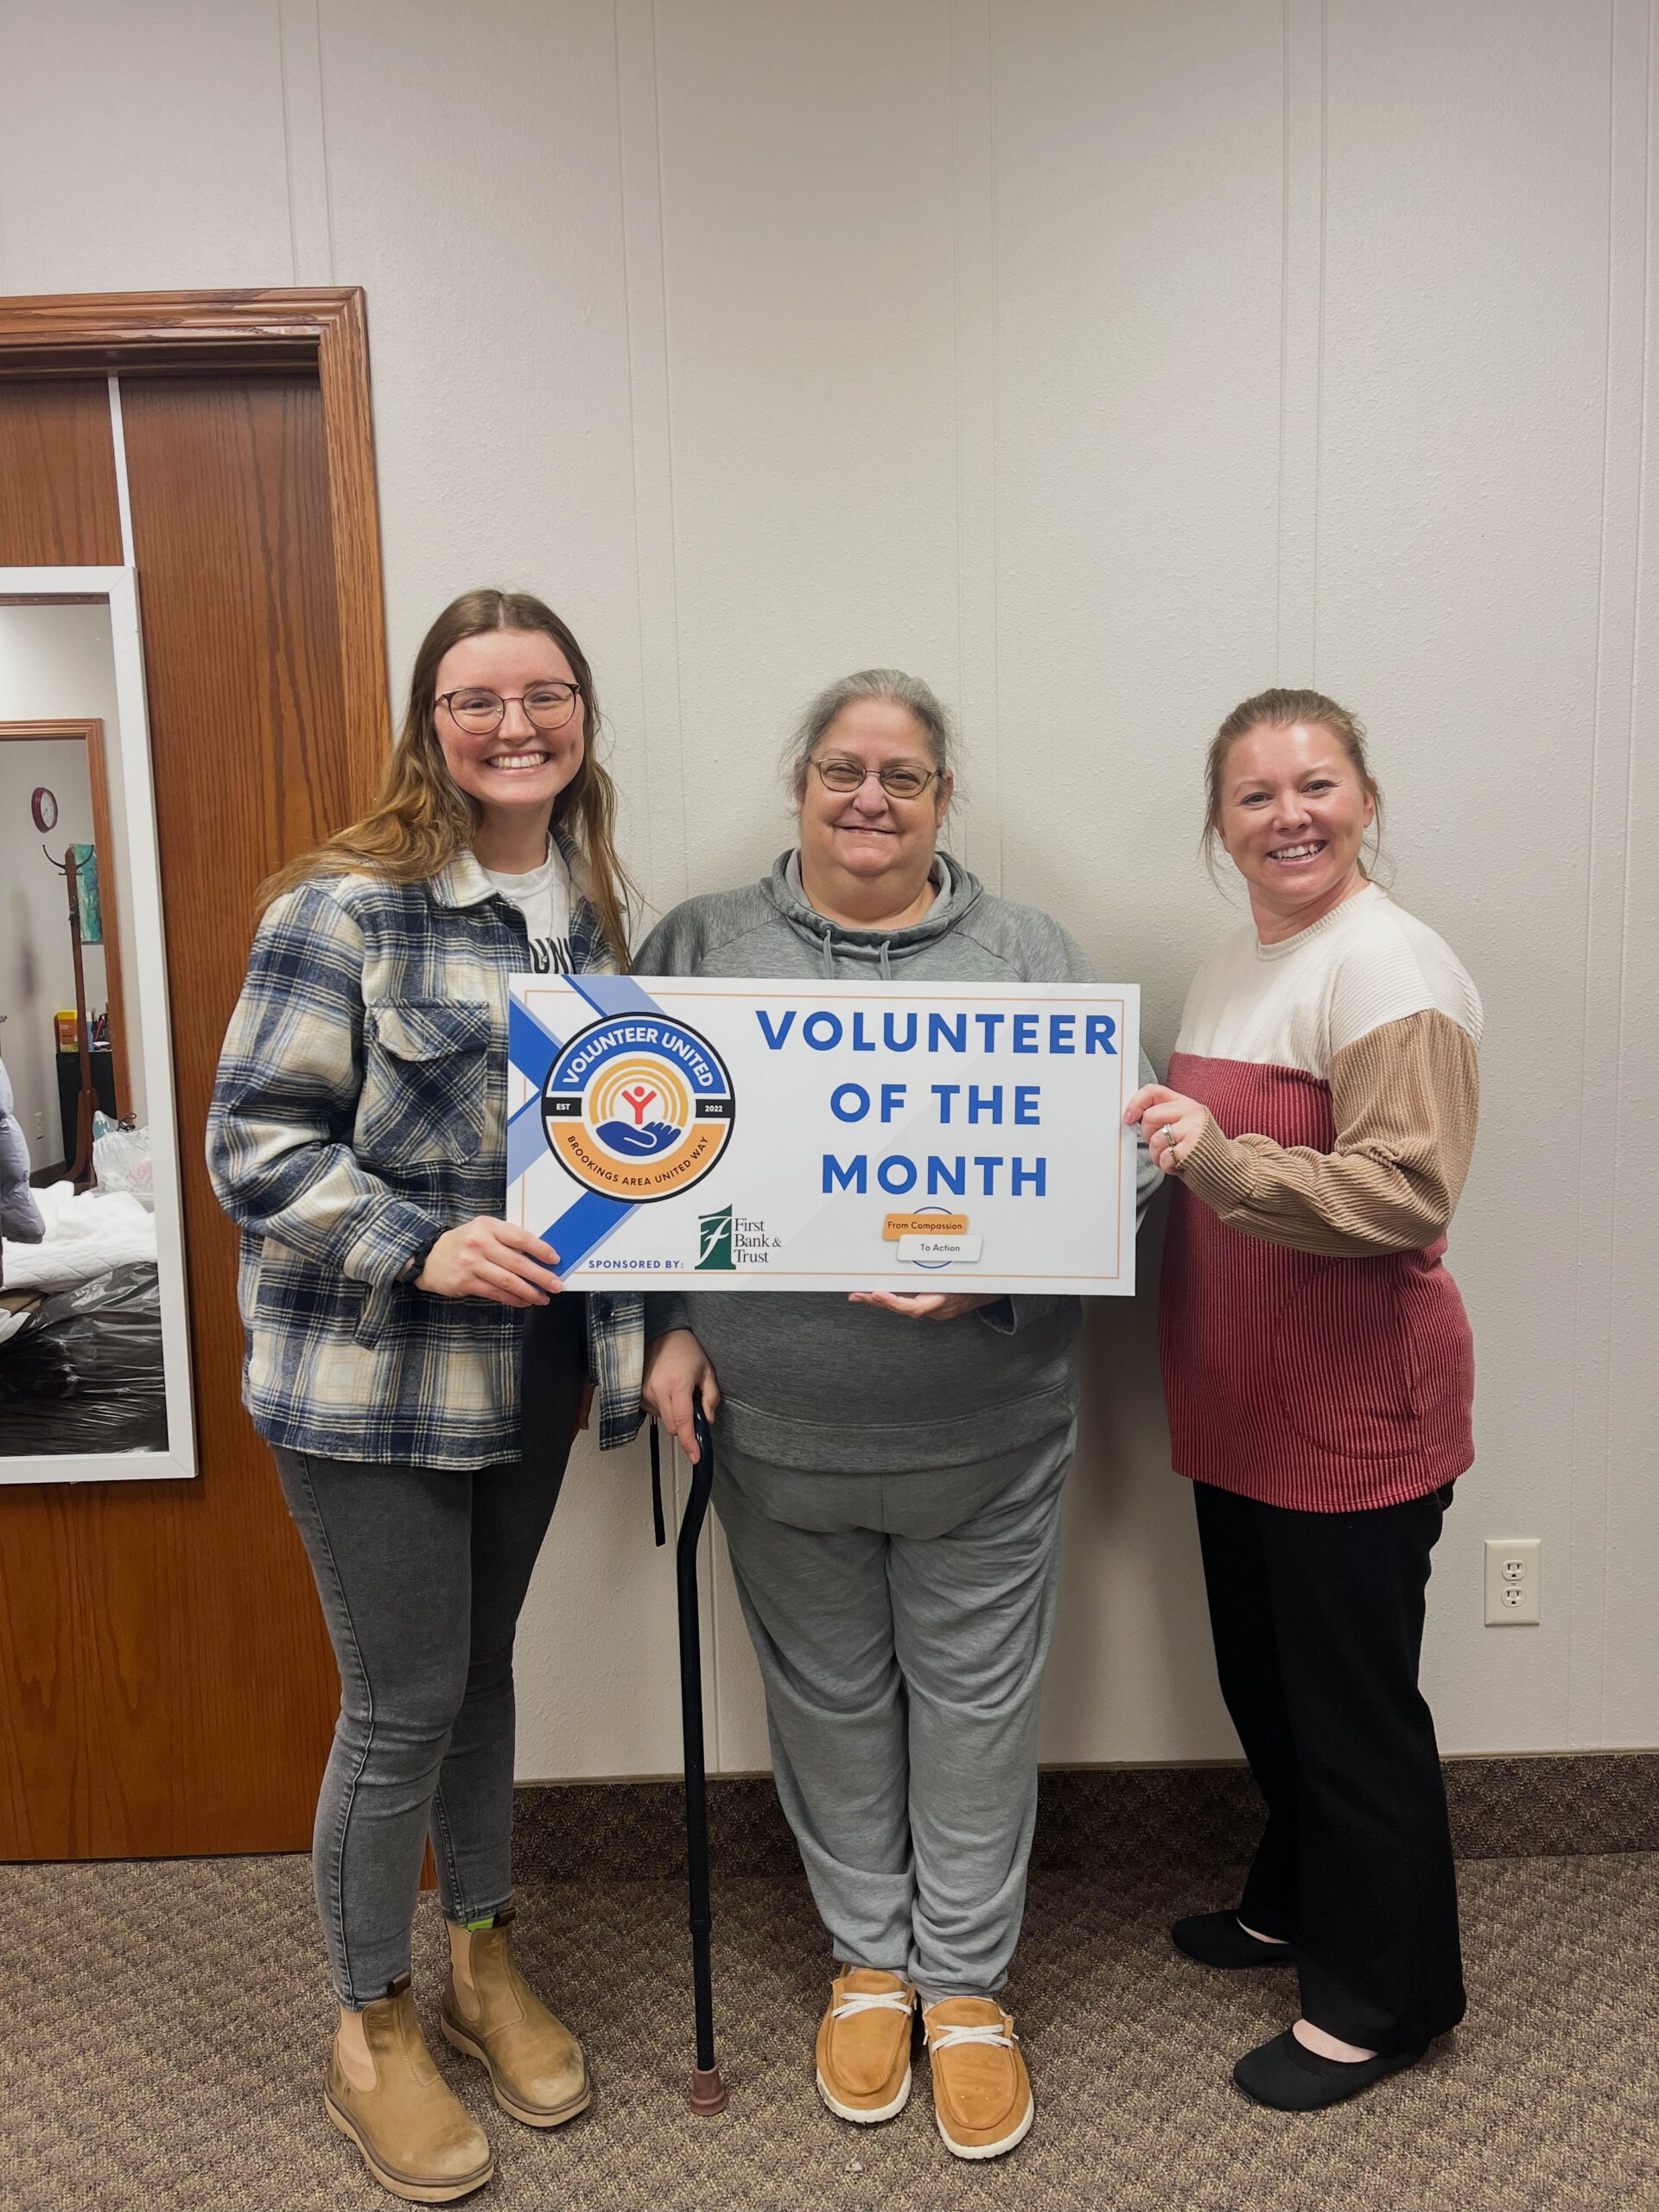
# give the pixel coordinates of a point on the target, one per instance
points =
(863, 2050)
(536, 2066)
(982, 2092)
(416, 2137)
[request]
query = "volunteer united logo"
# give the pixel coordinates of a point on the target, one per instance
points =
(637, 1108)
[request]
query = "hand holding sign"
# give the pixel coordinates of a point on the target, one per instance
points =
(1174, 1123)
(924, 1305)
(496, 1259)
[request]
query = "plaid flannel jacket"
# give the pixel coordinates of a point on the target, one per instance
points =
(360, 1109)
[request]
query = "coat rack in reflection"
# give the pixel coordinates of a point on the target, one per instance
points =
(81, 1171)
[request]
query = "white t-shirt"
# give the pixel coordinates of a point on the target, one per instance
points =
(543, 898)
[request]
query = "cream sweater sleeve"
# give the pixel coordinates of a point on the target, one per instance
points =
(1403, 1098)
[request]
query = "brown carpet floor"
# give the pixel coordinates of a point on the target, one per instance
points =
(166, 2024)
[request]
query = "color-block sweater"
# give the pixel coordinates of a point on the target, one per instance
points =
(1316, 1353)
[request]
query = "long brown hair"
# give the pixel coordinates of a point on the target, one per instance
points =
(421, 819)
(1280, 709)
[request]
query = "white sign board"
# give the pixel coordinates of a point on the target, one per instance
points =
(738, 1136)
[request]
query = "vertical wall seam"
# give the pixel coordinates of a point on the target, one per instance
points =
(958, 453)
(668, 399)
(1599, 1278)
(996, 450)
(5, 256)
(1606, 1422)
(1284, 350)
(973, 227)
(1627, 887)
(1319, 368)
(645, 251)
(956, 332)
(640, 166)
(322, 139)
(1301, 338)
(305, 142)
(288, 144)
(1607, 902)
(633, 424)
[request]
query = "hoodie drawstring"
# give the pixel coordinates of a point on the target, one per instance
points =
(884, 964)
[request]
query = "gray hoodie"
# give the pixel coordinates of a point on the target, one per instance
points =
(806, 1380)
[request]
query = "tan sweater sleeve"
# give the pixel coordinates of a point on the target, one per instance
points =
(1404, 1099)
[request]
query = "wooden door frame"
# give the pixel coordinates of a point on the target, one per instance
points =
(91, 735)
(116, 1735)
(323, 333)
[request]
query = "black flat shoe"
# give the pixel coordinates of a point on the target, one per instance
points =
(1218, 1939)
(1290, 2077)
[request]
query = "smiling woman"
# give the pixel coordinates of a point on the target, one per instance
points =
(1319, 1122)
(900, 1625)
(1292, 803)
(413, 1359)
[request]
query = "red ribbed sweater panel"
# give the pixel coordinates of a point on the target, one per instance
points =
(1329, 1385)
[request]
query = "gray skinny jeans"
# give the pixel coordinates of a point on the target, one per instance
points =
(422, 1572)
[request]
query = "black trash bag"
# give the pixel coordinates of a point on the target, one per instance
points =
(84, 1373)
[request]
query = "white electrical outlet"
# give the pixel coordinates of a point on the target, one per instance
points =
(1513, 1568)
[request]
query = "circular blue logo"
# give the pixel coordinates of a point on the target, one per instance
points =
(638, 1107)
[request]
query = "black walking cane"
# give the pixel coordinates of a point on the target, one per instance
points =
(708, 2090)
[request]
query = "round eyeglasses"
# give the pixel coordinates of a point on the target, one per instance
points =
(899, 778)
(547, 707)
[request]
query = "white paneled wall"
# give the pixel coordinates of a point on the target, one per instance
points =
(1103, 361)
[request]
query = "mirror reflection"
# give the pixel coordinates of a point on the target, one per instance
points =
(81, 1367)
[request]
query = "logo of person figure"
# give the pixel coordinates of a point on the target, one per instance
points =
(639, 1136)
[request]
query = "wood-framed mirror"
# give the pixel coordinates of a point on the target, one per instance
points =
(221, 445)
(63, 766)
(94, 1336)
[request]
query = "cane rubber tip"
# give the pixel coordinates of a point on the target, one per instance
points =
(708, 2092)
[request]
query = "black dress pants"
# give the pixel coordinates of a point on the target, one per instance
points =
(1317, 1620)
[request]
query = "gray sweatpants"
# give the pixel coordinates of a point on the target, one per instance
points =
(901, 1622)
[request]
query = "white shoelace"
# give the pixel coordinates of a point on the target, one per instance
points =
(871, 2000)
(946, 2038)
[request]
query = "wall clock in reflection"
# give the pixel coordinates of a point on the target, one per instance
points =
(44, 807)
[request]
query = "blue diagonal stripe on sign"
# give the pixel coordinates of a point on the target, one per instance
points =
(526, 1142)
(614, 994)
(532, 1049)
(587, 1223)
(531, 1045)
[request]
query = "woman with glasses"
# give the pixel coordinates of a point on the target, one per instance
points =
(412, 1358)
(889, 1469)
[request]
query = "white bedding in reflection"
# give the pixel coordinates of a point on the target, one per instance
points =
(85, 1236)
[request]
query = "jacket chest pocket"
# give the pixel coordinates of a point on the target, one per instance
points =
(426, 1071)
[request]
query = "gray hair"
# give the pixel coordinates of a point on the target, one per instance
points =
(891, 685)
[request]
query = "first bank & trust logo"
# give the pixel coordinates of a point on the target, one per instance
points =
(637, 1108)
